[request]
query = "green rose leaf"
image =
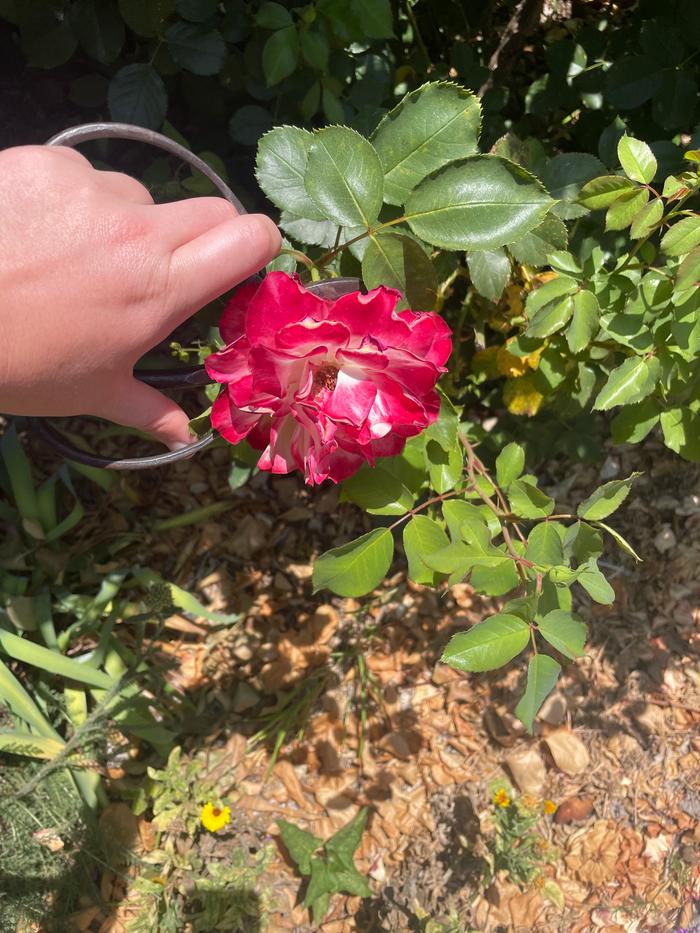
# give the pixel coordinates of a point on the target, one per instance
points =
(563, 177)
(619, 540)
(100, 29)
(315, 232)
(632, 81)
(647, 219)
(273, 16)
(562, 285)
(582, 542)
(280, 55)
(625, 209)
(551, 318)
(249, 123)
(480, 203)
(634, 422)
(681, 430)
(637, 160)
(542, 673)
(545, 544)
(595, 584)
(422, 536)
(527, 501)
(399, 262)
(457, 513)
(682, 237)
(534, 248)
(146, 19)
(314, 49)
(197, 48)
(563, 632)
(510, 463)
(606, 499)
(434, 125)
(197, 11)
(281, 163)
(356, 568)
(488, 645)
(604, 191)
(136, 94)
(344, 177)
(377, 491)
(445, 467)
(584, 322)
(629, 382)
(490, 272)
(688, 273)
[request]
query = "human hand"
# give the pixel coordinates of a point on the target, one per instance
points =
(93, 274)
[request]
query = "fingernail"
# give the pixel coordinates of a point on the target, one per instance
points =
(177, 445)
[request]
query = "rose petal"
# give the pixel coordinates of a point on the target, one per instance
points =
(232, 323)
(279, 301)
(230, 422)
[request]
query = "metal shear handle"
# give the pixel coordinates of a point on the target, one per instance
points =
(160, 378)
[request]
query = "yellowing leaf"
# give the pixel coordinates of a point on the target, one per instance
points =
(511, 365)
(521, 397)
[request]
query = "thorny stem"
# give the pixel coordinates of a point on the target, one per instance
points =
(370, 231)
(474, 464)
(429, 502)
(299, 256)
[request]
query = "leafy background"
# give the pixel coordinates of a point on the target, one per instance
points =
(573, 93)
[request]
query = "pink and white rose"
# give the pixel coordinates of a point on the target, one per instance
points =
(323, 386)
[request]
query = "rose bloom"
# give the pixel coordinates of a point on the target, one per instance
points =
(323, 386)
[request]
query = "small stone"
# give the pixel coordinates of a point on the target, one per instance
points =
(527, 770)
(198, 488)
(244, 698)
(573, 810)
(665, 540)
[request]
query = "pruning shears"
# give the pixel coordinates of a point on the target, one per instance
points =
(181, 377)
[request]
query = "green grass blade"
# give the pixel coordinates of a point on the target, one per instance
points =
(19, 472)
(13, 693)
(44, 619)
(21, 649)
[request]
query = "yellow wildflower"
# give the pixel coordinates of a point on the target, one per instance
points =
(501, 798)
(529, 801)
(549, 806)
(521, 397)
(215, 818)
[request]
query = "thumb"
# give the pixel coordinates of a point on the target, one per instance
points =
(139, 406)
(218, 259)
